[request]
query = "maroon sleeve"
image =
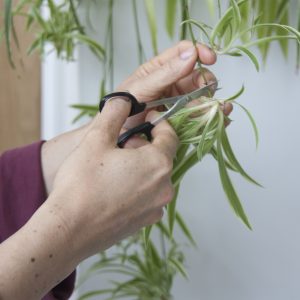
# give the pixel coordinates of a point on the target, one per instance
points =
(22, 192)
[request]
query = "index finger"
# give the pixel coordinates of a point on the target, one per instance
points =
(164, 136)
(206, 55)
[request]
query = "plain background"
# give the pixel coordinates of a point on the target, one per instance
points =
(231, 263)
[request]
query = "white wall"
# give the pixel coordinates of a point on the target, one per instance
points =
(231, 262)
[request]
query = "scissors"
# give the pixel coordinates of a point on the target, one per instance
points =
(176, 103)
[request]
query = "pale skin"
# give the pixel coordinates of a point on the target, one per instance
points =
(98, 193)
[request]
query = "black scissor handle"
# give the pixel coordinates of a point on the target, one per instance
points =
(136, 107)
(144, 128)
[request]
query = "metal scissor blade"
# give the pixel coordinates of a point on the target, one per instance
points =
(164, 101)
(183, 101)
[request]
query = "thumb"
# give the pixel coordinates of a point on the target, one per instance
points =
(111, 119)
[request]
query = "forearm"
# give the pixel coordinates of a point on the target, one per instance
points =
(37, 257)
(55, 151)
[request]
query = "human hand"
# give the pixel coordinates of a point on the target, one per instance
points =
(102, 193)
(169, 74)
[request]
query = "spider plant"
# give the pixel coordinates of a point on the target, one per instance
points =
(148, 270)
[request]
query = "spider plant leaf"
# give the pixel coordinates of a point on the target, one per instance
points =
(213, 152)
(245, 10)
(236, 95)
(146, 234)
(154, 254)
(237, 19)
(79, 116)
(250, 55)
(171, 9)
(150, 11)
(95, 47)
(234, 53)
(298, 46)
(197, 24)
(220, 25)
(211, 7)
(36, 44)
(207, 128)
(163, 229)
(184, 228)
(172, 210)
(283, 18)
(93, 108)
(233, 160)
(8, 21)
(253, 123)
(179, 267)
(228, 187)
(91, 294)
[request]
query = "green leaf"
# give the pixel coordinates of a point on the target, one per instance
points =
(197, 24)
(146, 234)
(172, 210)
(211, 7)
(7, 29)
(255, 129)
(237, 19)
(206, 129)
(91, 294)
(250, 55)
(233, 160)
(219, 27)
(150, 10)
(178, 265)
(184, 228)
(96, 48)
(213, 152)
(171, 9)
(237, 95)
(226, 181)
(283, 19)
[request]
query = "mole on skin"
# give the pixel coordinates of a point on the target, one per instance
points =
(32, 259)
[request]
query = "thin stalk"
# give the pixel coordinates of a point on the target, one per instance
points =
(141, 51)
(111, 44)
(187, 15)
(74, 13)
(219, 9)
(183, 31)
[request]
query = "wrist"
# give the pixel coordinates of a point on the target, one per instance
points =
(56, 150)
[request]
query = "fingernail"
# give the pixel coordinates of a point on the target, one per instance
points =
(187, 53)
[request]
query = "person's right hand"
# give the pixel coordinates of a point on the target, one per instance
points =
(102, 193)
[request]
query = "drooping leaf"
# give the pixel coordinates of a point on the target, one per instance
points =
(250, 55)
(253, 123)
(171, 10)
(172, 210)
(235, 96)
(146, 234)
(8, 23)
(211, 7)
(178, 265)
(226, 181)
(150, 11)
(182, 225)
(199, 25)
(233, 160)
